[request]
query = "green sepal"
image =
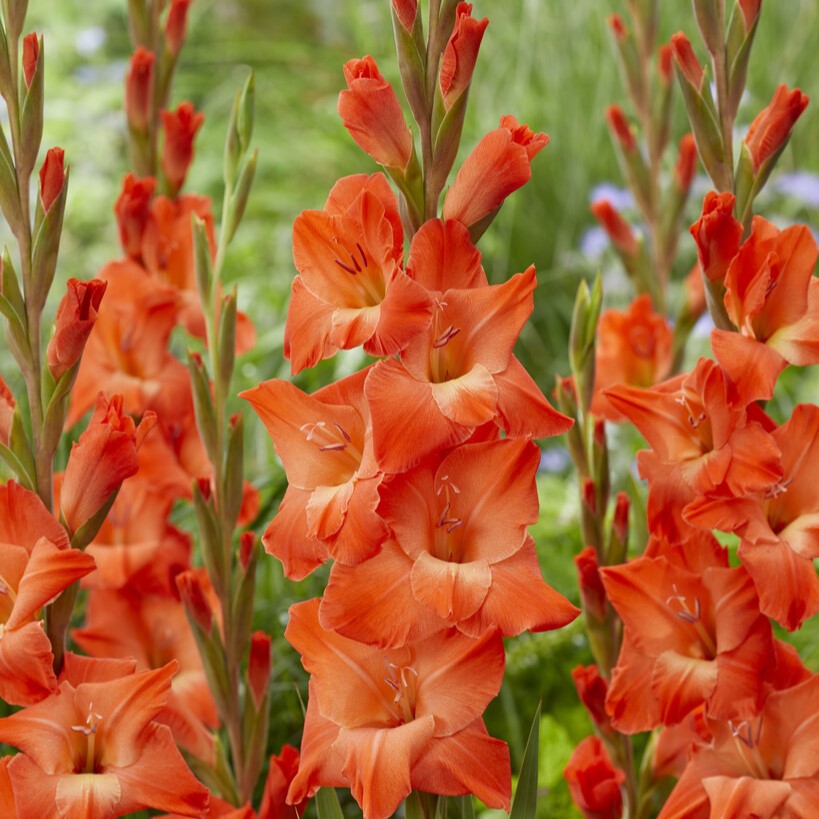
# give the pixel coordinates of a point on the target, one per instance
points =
(327, 806)
(31, 116)
(247, 112)
(233, 150)
(18, 454)
(23, 477)
(239, 196)
(255, 729)
(203, 405)
(14, 12)
(234, 472)
(447, 128)
(6, 87)
(707, 19)
(202, 262)
(738, 55)
(13, 309)
(582, 336)
(411, 49)
(139, 23)
(9, 192)
(48, 228)
(226, 350)
(243, 606)
(209, 534)
(88, 531)
(480, 227)
(419, 805)
(524, 805)
(56, 396)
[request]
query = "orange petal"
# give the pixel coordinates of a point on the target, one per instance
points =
(327, 509)
(746, 796)
(307, 330)
(680, 683)
(363, 531)
(82, 795)
(24, 519)
(454, 591)
(26, 672)
(470, 399)
(629, 702)
(752, 365)
(442, 257)
(405, 311)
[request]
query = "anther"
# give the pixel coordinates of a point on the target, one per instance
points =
(352, 271)
(363, 255)
(342, 431)
(333, 447)
(446, 336)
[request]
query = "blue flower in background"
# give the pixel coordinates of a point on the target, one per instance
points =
(620, 198)
(802, 185)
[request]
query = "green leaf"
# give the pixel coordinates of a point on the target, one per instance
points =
(327, 805)
(525, 804)
(556, 747)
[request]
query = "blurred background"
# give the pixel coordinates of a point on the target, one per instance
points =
(548, 62)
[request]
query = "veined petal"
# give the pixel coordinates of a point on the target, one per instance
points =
(307, 329)
(752, 365)
(469, 400)
(327, 509)
(745, 796)
(363, 531)
(680, 683)
(454, 591)
(26, 665)
(79, 796)
(405, 311)
(442, 257)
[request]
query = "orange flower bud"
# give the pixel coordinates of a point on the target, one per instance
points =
(52, 177)
(193, 586)
(7, 404)
(592, 592)
(406, 11)
(132, 209)
(103, 457)
(619, 523)
(617, 26)
(591, 689)
(31, 54)
(717, 234)
(665, 62)
(139, 89)
(620, 128)
(175, 25)
(686, 165)
(461, 54)
(373, 115)
(180, 128)
(594, 782)
(687, 60)
(589, 495)
(76, 316)
(618, 229)
(750, 12)
(258, 666)
(773, 125)
(247, 543)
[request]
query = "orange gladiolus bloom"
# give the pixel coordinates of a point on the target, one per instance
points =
(459, 553)
(351, 290)
(633, 348)
(103, 457)
(132, 209)
(325, 446)
(766, 766)
(35, 566)
(772, 297)
(594, 782)
(457, 375)
(154, 630)
(93, 748)
(497, 167)
(778, 528)
(693, 634)
(717, 234)
(385, 722)
(698, 423)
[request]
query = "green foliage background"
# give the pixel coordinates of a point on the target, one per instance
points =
(550, 63)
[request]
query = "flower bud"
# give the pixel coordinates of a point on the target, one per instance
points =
(460, 55)
(620, 128)
(687, 61)
(258, 666)
(665, 62)
(717, 234)
(180, 129)
(247, 544)
(594, 782)
(617, 228)
(686, 165)
(407, 12)
(76, 316)
(193, 591)
(617, 26)
(750, 12)
(373, 115)
(52, 177)
(175, 25)
(771, 129)
(592, 592)
(31, 54)
(591, 690)
(619, 523)
(7, 404)
(132, 210)
(139, 89)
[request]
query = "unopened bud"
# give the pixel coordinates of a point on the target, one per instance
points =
(750, 12)
(139, 89)
(592, 592)
(687, 61)
(771, 129)
(175, 25)
(52, 177)
(7, 404)
(619, 523)
(686, 165)
(258, 666)
(589, 494)
(247, 544)
(31, 55)
(406, 11)
(132, 210)
(192, 586)
(618, 230)
(180, 129)
(591, 689)
(620, 128)
(665, 62)
(617, 26)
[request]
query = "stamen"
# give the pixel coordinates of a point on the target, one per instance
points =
(684, 614)
(333, 447)
(4, 589)
(363, 255)
(736, 731)
(350, 270)
(311, 429)
(696, 422)
(778, 489)
(342, 431)
(446, 336)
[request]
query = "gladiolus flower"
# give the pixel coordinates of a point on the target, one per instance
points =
(460, 54)
(385, 722)
(717, 234)
(687, 60)
(180, 129)
(773, 125)
(458, 554)
(103, 457)
(7, 404)
(457, 375)
(766, 766)
(31, 55)
(442, 257)
(94, 749)
(634, 347)
(132, 210)
(282, 771)
(154, 631)
(373, 115)
(76, 316)
(139, 89)
(52, 178)
(620, 128)
(594, 782)
(617, 228)
(693, 634)
(499, 164)
(325, 446)
(351, 289)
